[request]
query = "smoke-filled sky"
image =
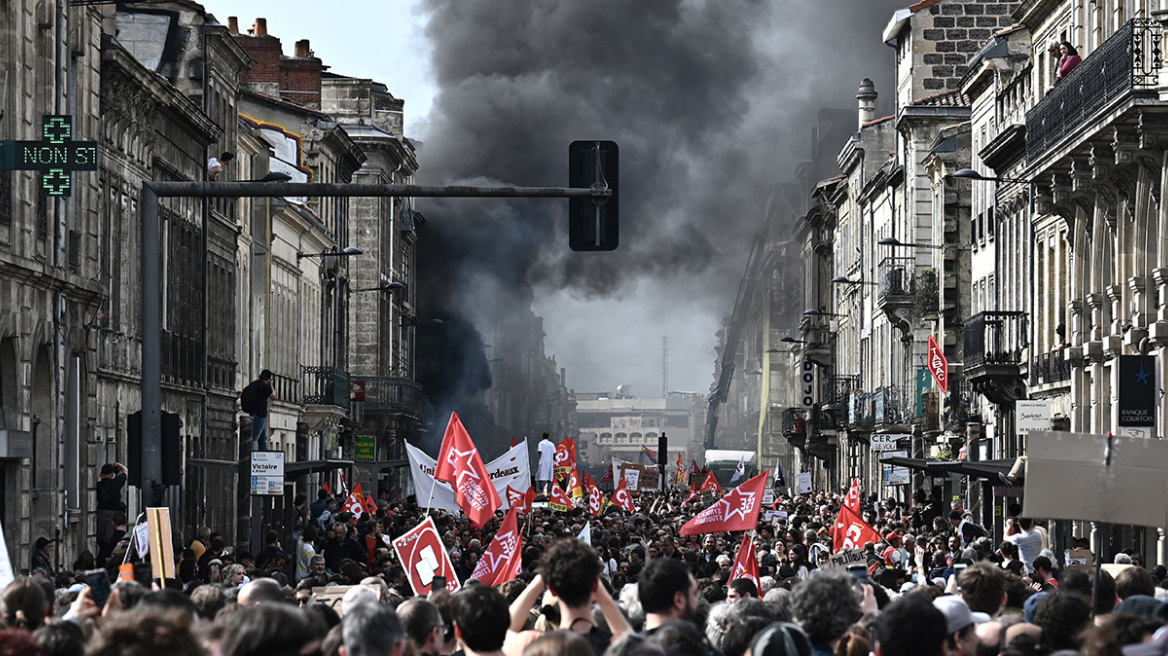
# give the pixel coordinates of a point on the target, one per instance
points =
(711, 101)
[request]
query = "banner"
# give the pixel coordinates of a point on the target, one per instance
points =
(421, 553)
(737, 511)
(512, 469)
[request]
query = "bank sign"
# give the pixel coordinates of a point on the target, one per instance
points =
(1137, 390)
(56, 155)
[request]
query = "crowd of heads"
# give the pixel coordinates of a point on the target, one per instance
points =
(936, 584)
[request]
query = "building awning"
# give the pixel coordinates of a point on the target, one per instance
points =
(987, 469)
(919, 464)
(291, 469)
(385, 465)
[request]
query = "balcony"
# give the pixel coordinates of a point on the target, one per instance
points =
(1049, 369)
(860, 411)
(795, 426)
(994, 342)
(838, 390)
(325, 386)
(889, 407)
(393, 396)
(1126, 65)
(895, 287)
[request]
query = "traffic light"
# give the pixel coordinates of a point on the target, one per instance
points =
(170, 426)
(592, 222)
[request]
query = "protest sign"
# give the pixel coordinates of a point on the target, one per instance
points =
(421, 553)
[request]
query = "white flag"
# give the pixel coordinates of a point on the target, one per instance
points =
(586, 533)
(740, 470)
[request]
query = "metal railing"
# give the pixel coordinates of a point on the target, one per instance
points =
(861, 410)
(996, 337)
(839, 389)
(895, 278)
(393, 394)
(1049, 368)
(325, 386)
(794, 421)
(1128, 61)
(889, 406)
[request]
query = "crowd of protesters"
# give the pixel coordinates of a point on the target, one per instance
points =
(936, 584)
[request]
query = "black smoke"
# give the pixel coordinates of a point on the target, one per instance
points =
(711, 101)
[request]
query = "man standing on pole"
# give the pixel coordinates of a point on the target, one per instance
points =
(254, 401)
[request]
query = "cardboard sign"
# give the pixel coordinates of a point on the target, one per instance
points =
(768, 497)
(847, 558)
(1133, 489)
(773, 516)
(804, 483)
(161, 544)
(1080, 559)
(632, 479)
(422, 554)
(1032, 415)
(331, 596)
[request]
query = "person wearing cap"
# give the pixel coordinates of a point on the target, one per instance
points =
(42, 557)
(960, 624)
(254, 401)
(894, 554)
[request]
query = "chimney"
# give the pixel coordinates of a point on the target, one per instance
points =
(233, 24)
(867, 105)
(302, 49)
(261, 27)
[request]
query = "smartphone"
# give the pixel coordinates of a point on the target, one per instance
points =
(144, 574)
(438, 583)
(99, 586)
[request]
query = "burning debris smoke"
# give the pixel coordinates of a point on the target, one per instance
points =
(712, 104)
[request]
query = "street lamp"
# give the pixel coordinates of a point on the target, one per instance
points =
(970, 174)
(387, 287)
(792, 340)
(893, 242)
(821, 313)
(347, 251)
(844, 280)
(414, 321)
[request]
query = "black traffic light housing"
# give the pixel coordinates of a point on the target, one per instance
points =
(592, 222)
(171, 425)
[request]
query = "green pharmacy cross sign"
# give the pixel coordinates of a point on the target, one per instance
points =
(56, 156)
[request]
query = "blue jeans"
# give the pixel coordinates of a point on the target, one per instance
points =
(259, 431)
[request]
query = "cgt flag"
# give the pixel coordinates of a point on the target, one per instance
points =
(851, 532)
(500, 563)
(852, 501)
(355, 504)
(681, 472)
(565, 457)
(595, 501)
(710, 484)
(460, 465)
(558, 499)
(745, 564)
(621, 498)
(737, 511)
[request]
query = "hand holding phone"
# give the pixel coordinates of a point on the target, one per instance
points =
(99, 586)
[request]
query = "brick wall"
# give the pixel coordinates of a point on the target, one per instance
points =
(298, 78)
(947, 34)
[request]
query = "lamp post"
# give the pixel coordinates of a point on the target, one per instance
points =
(348, 251)
(893, 242)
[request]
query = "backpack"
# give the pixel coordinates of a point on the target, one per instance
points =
(247, 400)
(972, 532)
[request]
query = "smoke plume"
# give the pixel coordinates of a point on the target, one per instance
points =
(712, 104)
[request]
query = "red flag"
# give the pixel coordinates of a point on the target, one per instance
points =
(745, 564)
(693, 467)
(558, 499)
(851, 532)
(737, 511)
(710, 485)
(565, 457)
(680, 469)
(327, 488)
(422, 555)
(518, 500)
(355, 503)
(575, 483)
(852, 501)
(459, 463)
(607, 478)
(500, 562)
(371, 505)
(589, 484)
(621, 498)
(344, 486)
(652, 455)
(595, 501)
(513, 443)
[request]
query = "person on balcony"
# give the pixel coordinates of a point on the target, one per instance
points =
(254, 401)
(1069, 59)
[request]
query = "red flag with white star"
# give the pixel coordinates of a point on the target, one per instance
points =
(745, 564)
(621, 498)
(850, 531)
(500, 562)
(460, 465)
(710, 484)
(737, 511)
(520, 501)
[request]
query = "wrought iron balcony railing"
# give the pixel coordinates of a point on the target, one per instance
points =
(861, 410)
(996, 337)
(889, 406)
(325, 386)
(794, 421)
(392, 394)
(1049, 368)
(839, 389)
(1129, 61)
(895, 278)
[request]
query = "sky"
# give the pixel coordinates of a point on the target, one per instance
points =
(711, 101)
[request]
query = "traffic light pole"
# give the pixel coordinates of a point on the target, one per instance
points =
(152, 486)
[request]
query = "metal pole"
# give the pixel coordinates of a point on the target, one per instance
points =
(334, 190)
(151, 350)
